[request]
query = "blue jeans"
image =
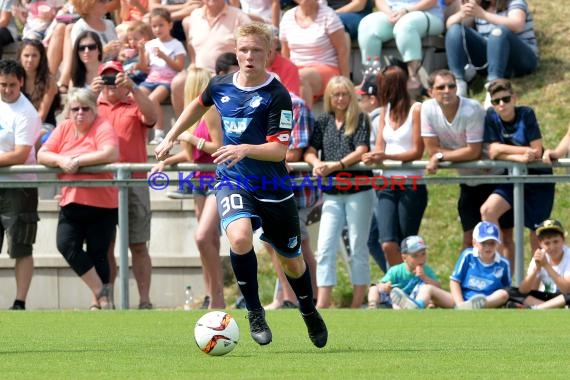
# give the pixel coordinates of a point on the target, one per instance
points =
(374, 246)
(399, 212)
(355, 210)
(506, 54)
(351, 20)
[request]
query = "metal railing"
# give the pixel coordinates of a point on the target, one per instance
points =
(122, 171)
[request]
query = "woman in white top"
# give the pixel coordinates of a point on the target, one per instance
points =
(400, 207)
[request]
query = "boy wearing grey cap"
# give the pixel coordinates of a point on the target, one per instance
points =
(404, 281)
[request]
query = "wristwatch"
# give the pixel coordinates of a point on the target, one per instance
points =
(439, 156)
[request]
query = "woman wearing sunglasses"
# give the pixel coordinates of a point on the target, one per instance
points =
(87, 56)
(512, 134)
(88, 215)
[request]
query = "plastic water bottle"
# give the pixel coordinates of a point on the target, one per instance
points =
(376, 66)
(368, 67)
(188, 298)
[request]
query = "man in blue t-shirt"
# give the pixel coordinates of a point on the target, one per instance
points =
(512, 134)
(252, 189)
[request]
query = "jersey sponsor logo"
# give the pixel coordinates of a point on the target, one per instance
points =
(286, 120)
(235, 126)
(225, 99)
(255, 101)
(478, 283)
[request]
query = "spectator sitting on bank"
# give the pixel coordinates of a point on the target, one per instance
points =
(312, 37)
(404, 281)
(547, 283)
(496, 35)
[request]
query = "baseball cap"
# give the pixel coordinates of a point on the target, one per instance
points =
(486, 231)
(111, 65)
(412, 244)
(550, 225)
(368, 87)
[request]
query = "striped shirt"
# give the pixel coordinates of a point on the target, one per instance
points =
(311, 45)
(527, 35)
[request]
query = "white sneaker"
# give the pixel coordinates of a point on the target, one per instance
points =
(400, 298)
(462, 88)
(477, 302)
(156, 140)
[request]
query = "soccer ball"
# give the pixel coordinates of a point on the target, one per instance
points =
(216, 333)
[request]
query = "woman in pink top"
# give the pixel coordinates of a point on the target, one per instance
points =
(312, 37)
(199, 142)
(88, 215)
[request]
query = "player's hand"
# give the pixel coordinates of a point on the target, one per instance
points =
(162, 150)
(230, 154)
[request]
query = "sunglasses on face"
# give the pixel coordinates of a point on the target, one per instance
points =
(442, 87)
(77, 109)
(89, 47)
(504, 99)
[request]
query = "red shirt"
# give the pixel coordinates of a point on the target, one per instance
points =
(288, 73)
(126, 117)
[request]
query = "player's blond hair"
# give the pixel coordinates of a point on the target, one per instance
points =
(256, 29)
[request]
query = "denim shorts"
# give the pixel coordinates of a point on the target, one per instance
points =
(151, 86)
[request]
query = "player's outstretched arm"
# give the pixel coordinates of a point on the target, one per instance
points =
(191, 114)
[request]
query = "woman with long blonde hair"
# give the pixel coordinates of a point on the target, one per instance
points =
(342, 135)
(198, 143)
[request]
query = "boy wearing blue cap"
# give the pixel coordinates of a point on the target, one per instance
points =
(481, 270)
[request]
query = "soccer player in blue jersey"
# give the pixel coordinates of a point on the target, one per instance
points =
(251, 193)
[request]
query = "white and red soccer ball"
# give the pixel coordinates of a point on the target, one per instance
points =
(216, 333)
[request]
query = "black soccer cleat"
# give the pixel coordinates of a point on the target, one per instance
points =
(258, 328)
(316, 328)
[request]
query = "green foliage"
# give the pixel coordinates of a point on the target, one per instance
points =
(363, 344)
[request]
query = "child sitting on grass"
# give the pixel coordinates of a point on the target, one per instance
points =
(547, 283)
(480, 278)
(408, 277)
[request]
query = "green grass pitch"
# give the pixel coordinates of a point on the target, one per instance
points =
(363, 344)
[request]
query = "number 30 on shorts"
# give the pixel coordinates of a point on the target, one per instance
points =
(231, 202)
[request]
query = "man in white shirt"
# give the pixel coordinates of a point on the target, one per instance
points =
(452, 130)
(20, 127)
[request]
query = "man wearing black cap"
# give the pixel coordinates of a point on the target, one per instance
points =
(547, 283)
(368, 102)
